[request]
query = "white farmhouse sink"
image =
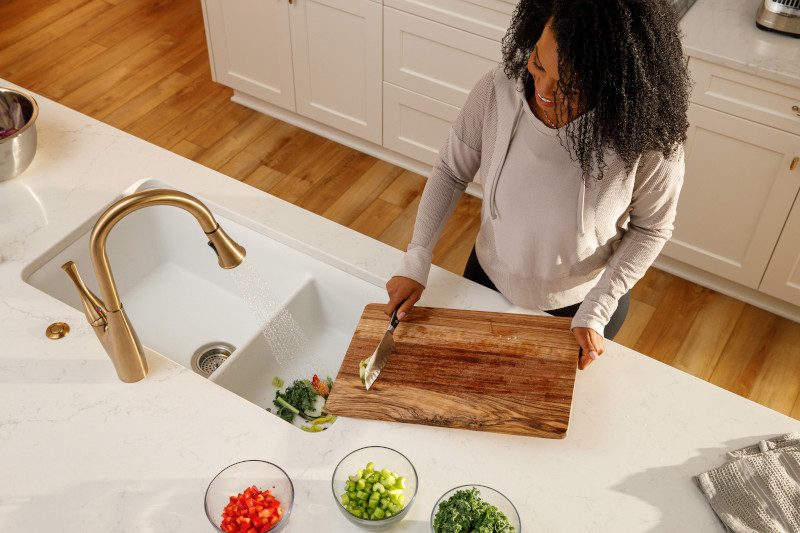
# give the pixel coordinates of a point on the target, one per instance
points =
(178, 298)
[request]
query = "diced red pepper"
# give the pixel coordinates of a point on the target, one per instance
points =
(320, 386)
(252, 511)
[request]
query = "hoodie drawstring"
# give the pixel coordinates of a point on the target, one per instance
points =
(581, 204)
(493, 191)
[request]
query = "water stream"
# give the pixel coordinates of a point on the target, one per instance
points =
(285, 338)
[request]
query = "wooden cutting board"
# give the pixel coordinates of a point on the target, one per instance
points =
(498, 372)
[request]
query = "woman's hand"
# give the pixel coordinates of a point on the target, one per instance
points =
(399, 289)
(591, 343)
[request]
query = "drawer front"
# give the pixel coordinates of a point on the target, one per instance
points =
(433, 59)
(743, 95)
(489, 18)
(415, 125)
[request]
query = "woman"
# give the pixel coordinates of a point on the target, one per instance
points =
(577, 139)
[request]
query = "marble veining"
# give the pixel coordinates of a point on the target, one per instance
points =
(725, 32)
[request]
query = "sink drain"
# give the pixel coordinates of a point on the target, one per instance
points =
(208, 357)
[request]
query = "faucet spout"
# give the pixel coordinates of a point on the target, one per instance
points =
(106, 316)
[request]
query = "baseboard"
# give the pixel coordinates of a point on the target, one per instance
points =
(729, 288)
(341, 137)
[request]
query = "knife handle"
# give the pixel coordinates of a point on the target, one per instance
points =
(394, 321)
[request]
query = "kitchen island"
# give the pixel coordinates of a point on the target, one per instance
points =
(82, 451)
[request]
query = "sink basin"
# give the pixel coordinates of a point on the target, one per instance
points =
(179, 300)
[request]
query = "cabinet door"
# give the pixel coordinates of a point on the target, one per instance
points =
(251, 48)
(782, 279)
(415, 125)
(336, 46)
(737, 193)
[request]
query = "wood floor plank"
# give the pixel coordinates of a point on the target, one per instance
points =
(302, 145)
(708, 335)
(146, 101)
(362, 193)
(778, 383)
(376, 218)
(39, 80)
(136, 82)
(185, 100)
(404, 189)
(60, 51)
(130, 51)
(303, 178)
(209, 105)
(399, 232)
(220, 121)
(54, 29)
(652, 287)
(94, 96)
(671, 321)
(336, 181)
(639, 315)
(187, 149)
(264, 178)
(20, 21)
(458, 236)
(746, 351)
(198, 66)
(222, 151)
(156, 15)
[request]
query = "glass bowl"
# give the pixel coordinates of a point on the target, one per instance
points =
(383, 457)
(488, 495)
(233, 479)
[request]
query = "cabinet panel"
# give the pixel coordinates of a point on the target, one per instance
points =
(336, 46)
(415, 125)
(251, 47)
(489, 18)
(782, 279)
(737, 193)
(433, 59)
(757, 99)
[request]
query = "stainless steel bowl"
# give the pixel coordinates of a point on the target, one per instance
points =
(17, 150)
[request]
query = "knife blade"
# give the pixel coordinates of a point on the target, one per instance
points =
(377, 361)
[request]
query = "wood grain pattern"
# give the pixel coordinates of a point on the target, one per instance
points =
(496, 372)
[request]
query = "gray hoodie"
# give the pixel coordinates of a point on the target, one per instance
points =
(621, 222)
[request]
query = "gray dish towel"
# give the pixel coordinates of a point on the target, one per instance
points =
(758, 489)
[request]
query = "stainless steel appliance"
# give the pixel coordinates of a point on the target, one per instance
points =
(779, 15)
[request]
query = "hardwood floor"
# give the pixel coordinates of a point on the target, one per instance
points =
(142, 66)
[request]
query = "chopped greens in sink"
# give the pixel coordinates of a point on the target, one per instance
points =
(306, 399)
(465, 511)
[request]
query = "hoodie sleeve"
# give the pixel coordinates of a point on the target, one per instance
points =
(652, 216)
(455, 167)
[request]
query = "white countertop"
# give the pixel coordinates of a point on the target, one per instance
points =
(725, 32)
(82, 452)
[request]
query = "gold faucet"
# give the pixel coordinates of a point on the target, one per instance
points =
(106, 316)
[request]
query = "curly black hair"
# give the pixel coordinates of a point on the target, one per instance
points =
(619, 59)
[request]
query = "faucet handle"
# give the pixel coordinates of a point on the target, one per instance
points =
(93, 307)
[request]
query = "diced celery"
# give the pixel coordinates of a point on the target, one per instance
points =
(379, 488)
(370, 467)
(378, 514)
(361, 484)
(345, 499)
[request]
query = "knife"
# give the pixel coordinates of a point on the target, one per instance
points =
(376, 362)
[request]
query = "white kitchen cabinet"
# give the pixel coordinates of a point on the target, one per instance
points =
(415, 125)
(250, 47)
(433, 59)
(337, 56)
(782, 278)
(737, 193)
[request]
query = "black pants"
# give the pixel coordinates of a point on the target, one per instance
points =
(474, 272)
